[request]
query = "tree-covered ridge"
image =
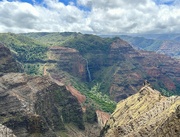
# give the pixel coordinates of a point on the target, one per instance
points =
(54, 38)
(84, 43)
(24, 48)
(17, 39)
(89, 43)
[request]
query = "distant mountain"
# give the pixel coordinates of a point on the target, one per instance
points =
(147, 113)
(164, 44)
(168, 37)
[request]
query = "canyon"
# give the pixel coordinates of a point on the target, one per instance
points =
(73, 83)
(37, 106)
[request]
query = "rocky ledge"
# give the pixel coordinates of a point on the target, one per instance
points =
(36, 106)
(7, 62)
(6, 132)
(147, 113)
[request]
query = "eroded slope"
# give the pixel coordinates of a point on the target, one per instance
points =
(7, 62)
(35, 105)
(147, 113)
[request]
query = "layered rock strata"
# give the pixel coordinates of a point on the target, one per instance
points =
(7, 62)
(131, 67)
(36, 106)
(68, 60)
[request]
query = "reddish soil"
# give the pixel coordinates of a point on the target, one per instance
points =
(81, 98)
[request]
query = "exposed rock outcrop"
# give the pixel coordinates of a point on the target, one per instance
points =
(6, 132)
(36, 106)
(68, 60)
(131, 67)
(39, 106)
(102, 117)
(7, 62)
(147, 113)
(121, 50)
(120, 69)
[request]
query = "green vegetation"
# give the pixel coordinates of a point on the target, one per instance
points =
(90, 114)
(31, 50)
(105, 76)
(24, 48)
(70, 108)
(143, 43)
(166, 93)
(52, 39)
(177, 90)
(33, 69)
(89, 43)
(103, 100)
(96, 98)
(30, 54)
(10, 39)
(94, 49)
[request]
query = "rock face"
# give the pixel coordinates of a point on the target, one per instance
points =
(6, 132)
(35, 106)
(130, 67)
(121, 50)
(102, 117)
(7, 62)
(163, 68)
(147, 113)
(68, 60)
(118, 67)
(170, 48)
(38, 106)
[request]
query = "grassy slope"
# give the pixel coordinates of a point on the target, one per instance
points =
(52, 39)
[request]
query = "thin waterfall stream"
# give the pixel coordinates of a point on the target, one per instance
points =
(87, 68)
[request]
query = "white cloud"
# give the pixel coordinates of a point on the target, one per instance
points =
(105, 16)
(54, 16)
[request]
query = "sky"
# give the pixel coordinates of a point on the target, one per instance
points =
(90, 16)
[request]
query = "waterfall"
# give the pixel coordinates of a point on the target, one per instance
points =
(87, 68)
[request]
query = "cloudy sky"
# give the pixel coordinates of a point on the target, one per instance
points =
(90, 16)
